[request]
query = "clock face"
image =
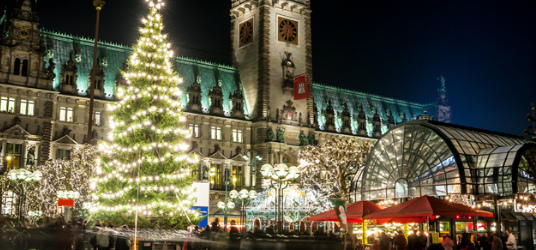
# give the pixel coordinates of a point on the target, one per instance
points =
(246, 33)
(287, 30)
(24, 32)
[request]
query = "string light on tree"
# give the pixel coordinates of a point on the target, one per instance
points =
(144, 170)
(331, 167)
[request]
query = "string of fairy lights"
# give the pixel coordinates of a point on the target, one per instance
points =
(152, 159)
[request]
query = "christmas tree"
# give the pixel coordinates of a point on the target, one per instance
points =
(143, 174)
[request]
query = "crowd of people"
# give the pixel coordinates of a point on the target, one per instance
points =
(423, 241)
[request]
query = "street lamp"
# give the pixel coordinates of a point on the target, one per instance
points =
(245, 196)
(226, 207)
(98, 6)
(279, 176)
(22, 177)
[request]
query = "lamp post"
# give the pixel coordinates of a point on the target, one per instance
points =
(251, 164)
(245, 196)
(98, 6)
(22, 177)
(226, 207)
(279, 176)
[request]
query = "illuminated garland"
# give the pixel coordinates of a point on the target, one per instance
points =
(331, 166)
(145, 168)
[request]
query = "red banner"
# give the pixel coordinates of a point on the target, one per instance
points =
(300, 88)
(66, 202)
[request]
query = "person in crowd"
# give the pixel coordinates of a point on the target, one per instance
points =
(423, 238)
(497, 243)
(375, 245)
(122, 242)
(448, 244)
(483, 243)
(103, 239)
(511, 243)
(400, 241)
(234, 229)
(385, 241)
(78, 230)
(358, 245)
(414, 242)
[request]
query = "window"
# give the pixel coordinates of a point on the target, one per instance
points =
(237, 135)
(215, 133)
(215, 175)
(63, 154)
(66, 114)
(7, 104)
(237, 177)
(69, 79)
(194, 130)
(16, 68)
(97, 118)
(13, 156)
(25, 67)
(27, 107)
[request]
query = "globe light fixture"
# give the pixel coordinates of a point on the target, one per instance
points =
(266, 170)
(233, 194)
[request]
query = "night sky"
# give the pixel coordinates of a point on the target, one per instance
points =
(485, 49)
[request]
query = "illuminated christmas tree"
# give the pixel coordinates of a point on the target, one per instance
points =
(144, 171)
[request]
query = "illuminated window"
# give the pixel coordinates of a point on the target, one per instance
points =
(7, 104)
(63, 154)
(194, 130)
(237, 176)
(27, 107)
(13, 156)
(97, 118)
(66, 114)
(215, 175)
(237, 135)
(215, 133)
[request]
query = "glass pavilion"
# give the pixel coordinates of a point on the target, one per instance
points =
(431, 158)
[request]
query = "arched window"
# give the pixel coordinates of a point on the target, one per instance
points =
(16, 68)
(25, 67)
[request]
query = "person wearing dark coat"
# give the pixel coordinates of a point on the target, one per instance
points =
(122, 243)
(414, 242)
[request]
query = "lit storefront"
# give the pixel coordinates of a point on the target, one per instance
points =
(479, 168)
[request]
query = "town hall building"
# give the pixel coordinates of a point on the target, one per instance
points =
(241, 108)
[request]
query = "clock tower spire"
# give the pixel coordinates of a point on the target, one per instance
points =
(22, 29)
(443, 111)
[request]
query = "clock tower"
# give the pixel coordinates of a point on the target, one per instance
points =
(271, 44)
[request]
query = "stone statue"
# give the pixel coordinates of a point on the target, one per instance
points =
(281, 135)
(30, 158)
(303, 139)
(270, 135)
(66, 131)
(300, 120)
(216, 148)
(277, 115)
(94, 134)
(238, 150)
(268, 114)
(311, 138)
(50, 69)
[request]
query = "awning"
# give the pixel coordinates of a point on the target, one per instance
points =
(419, 209)
(354, 212)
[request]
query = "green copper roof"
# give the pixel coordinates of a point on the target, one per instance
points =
(355, 99)
(60, 47)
